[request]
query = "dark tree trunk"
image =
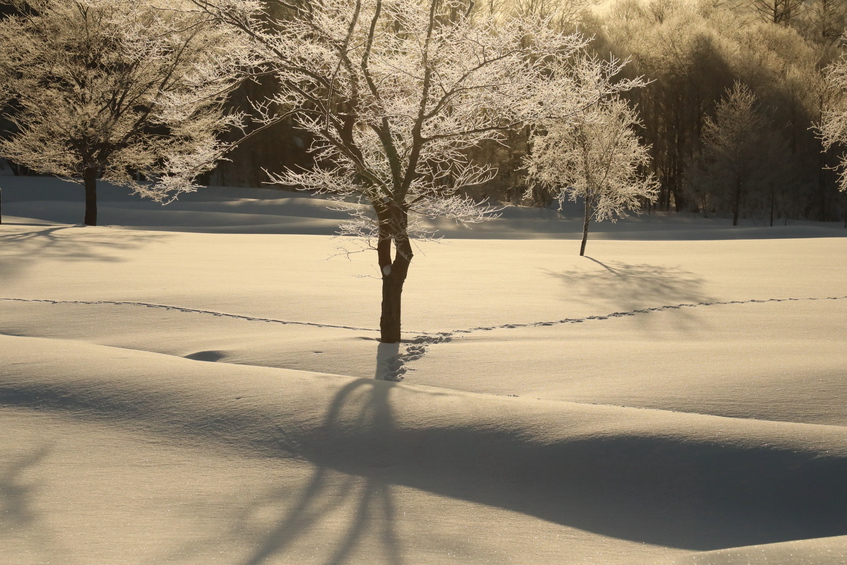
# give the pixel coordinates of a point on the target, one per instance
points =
(393, 226)
(773, 202)
(736, 205)
(392, 291)
(90, 183)
(585, 222)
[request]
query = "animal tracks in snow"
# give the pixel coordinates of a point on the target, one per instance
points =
(418, 346)
(185, 309)
(422, 341)
(637, 312)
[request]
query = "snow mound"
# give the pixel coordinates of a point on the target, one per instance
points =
(678, 480)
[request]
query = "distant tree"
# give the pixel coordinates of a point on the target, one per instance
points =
(781, 68)
(562, 14)
(826, 20)
(739, 144)
(394, 93)
(596, 156)
(784, 12)
(692, 52)
(117, 90)
(677, 47)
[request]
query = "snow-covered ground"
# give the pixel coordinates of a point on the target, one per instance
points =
(195, 384)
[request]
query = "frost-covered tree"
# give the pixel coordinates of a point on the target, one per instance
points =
(739, 145)
(833, 126)
(595, 156)
(396, 92)
(118, 90)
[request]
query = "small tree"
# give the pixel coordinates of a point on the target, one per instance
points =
(739, 149)
(395, 93)
(596, 155)
(118, 90)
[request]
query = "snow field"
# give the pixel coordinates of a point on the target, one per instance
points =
(207, 395)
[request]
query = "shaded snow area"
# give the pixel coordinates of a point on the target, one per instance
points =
(195, 384)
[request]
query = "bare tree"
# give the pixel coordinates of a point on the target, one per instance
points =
(117, 90)
(562, 14)
(826, 20)
(784, 12)
(596, 156)
(395, 93)
(739, 148)
(833, 126)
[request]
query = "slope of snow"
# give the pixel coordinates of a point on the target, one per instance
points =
(200, 388)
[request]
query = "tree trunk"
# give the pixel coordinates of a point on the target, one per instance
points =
(585, 222)
(773, 202)
(736, 205)
(393, 224)
(90, 183)
(392, 291)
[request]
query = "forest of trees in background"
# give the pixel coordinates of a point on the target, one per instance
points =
(713, 65)
(694, 52)
(697, 54)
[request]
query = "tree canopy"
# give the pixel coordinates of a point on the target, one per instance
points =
(396, 94)
(117, 90)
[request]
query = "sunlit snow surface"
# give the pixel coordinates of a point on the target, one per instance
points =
(195, 384)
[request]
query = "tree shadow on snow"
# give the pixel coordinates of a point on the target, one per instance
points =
(628, 288)
(696, 495)
(348, 500)
(675, 489)
(66, 243)
(337, 511)
(18, 516)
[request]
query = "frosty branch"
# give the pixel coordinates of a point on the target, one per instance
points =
(395, 93)
(595, 156)
(120, 91)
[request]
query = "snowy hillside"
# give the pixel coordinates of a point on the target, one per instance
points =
(195, 384)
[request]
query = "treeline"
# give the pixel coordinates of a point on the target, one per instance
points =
(756, 155)
(737, 90)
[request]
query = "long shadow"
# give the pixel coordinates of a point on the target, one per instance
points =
(48, 241)
(699, 495)
(664, 489)
(658, 490)
(18, 516)
(370, 493)
(15, 508)
(66, 243)
(629, 287)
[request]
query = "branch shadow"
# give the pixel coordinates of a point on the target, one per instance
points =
(18, 517)
(628, 288)
(48, 241)
(353, 513)
(66, 243)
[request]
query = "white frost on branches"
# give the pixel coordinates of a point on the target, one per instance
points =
(394, 94)
(595, 155)
(129, 89)
(833, 126)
